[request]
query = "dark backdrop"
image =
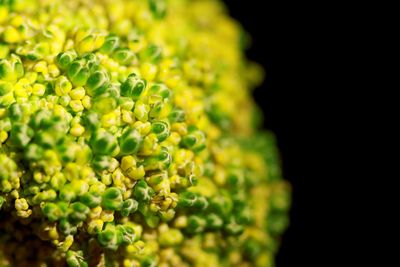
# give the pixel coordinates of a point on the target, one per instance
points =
(324, 98)
(288, 98)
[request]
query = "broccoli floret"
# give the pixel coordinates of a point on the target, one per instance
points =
(127, 138)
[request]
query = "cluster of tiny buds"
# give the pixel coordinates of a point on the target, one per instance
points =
(125, 137)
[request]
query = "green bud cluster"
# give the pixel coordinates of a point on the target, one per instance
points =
(127, 138)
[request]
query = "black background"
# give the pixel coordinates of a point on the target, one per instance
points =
(292, 104)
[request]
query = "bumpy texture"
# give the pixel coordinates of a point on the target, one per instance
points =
(128, 137)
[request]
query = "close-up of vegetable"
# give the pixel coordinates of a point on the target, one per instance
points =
(129, 137)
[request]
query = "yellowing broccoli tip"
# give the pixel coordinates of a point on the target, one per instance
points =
(128, 137)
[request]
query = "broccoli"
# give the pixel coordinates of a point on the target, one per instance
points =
(127, 138)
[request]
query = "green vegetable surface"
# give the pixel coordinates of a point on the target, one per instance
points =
(128, 137)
